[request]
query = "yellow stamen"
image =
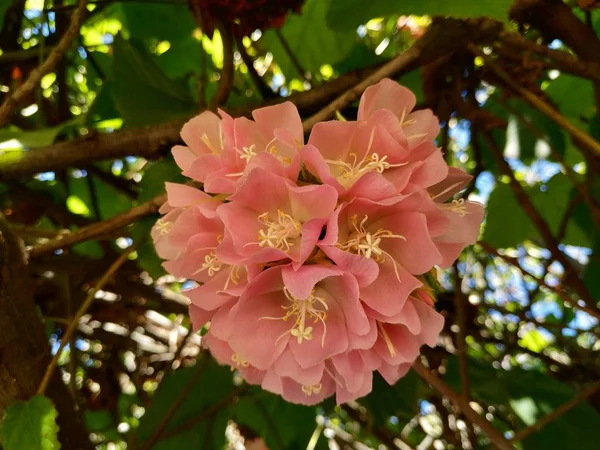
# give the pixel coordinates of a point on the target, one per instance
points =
(457, 206)
(239, 361)
(279, 233)
(312, 389)
(386, 338)
(303, 310)
(368, 244)
(163, 227)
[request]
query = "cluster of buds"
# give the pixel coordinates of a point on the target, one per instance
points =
(311, 259)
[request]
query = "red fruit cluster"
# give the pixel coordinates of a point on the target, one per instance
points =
(247, 14)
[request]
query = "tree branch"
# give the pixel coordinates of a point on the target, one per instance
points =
(99, 228)
(80, 312)
(463, 405)
(227, 72)
(541, 225)
(564, 61)
(534, 101)
(148, 142)
(47, 66)
(24, 349)
(540, 281)
(443, 37)
(557, 413)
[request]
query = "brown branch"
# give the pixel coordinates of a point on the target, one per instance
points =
(537, 103)
(99, 228)
(569, 172)
(562, 60)
(557, 413)
(540, 281)
(47, 66)
(461, 322)
(227, 72)
(556, 20)
(463, 405)
(149, 142)
(443, 37)
(80, 312)
(541, 225)
(24, 349)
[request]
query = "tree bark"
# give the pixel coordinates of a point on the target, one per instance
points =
(24, 349)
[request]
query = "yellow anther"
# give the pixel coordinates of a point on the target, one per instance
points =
(302, 311)
(279, 233)
(312, 389)
(239, 361)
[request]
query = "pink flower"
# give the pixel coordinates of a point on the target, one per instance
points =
(386, 152)
(385, 244)
(271, 219)
(311, 272)
(313, 313)
(219, 150)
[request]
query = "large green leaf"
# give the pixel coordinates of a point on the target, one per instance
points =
(310, 39)
(281, 424)
(156, 21)
(508, 230)
(30, 425)
(143, 94)
(349, 14)
(572, 95)
(213, 384)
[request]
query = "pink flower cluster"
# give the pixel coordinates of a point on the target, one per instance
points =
(310, 258)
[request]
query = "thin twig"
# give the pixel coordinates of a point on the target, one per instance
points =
(156, 435)
(208, 412)
(47, 66)
(99, 228)
(566, 62)
(227, 72)
(265, 91)
(569, 172)
(66, 338)
(539, 222)
(557, 413)
(461, 322)
(454, 35)
(463, 405)
(293, 58)
(160, 428)
(534, 101)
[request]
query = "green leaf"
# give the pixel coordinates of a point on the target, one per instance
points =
(166, 21)
(4, 4)
(155, 176)
(281, 424)
(30, 425)
(214, 384)
(499, 231)
(36, 138)
(143, 94)
(573, 95)
(400, 400)
(551, 203)
(349, 14)
(310, 39)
